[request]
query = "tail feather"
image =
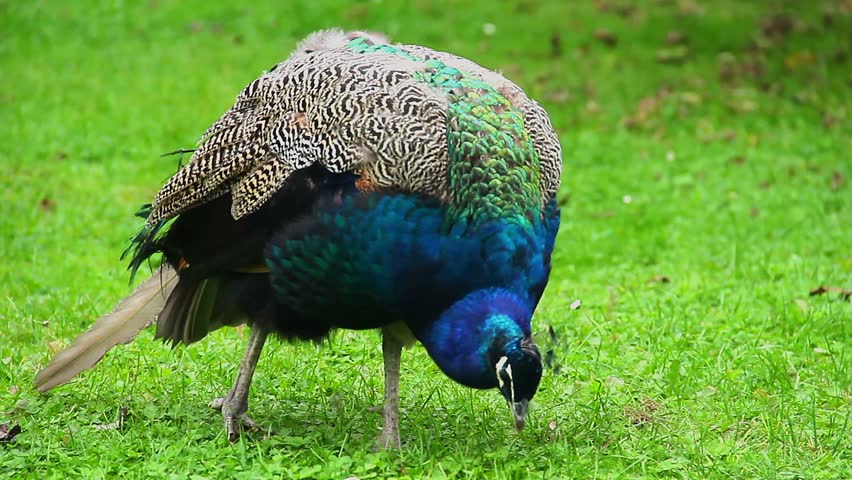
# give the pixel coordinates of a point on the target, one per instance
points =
(198, 306)
(203, 309)
(189, 313)
(130, 316)
(173, 317)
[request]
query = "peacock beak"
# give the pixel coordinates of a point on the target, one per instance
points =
(519, 410)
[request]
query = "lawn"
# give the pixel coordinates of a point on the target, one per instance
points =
(706, 191)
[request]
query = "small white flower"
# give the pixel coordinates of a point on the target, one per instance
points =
(627, 199)
(489, 29)
(670, 156)
(575, 305)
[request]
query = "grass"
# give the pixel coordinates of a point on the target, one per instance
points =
(707, 190)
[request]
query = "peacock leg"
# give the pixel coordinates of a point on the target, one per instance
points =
(235, 405)
(392, 352)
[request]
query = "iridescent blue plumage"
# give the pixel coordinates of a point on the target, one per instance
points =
(464, 292)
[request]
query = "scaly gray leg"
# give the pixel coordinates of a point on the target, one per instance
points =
(235, 405)
(392, 352)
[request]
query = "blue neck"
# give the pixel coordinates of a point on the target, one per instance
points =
(469, 337)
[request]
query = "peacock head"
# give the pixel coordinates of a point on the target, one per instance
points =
(518, 374)
(484, 341)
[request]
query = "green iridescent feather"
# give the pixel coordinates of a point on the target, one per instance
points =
(494, 171)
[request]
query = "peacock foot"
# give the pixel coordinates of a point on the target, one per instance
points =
(234, 405)
(235, 417)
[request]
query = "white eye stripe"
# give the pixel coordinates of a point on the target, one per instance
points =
(511, 382)
(499, 367)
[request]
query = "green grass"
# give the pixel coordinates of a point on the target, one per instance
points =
(705, 197)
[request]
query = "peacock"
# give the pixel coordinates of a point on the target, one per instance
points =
(359, 184)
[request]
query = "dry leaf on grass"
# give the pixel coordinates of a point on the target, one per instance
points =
(822, 289)
(8, 432)
(644, 413)
(116, 425)
(47, 204)
(837, 180)
(777, 26)
(675, 38)
(556, 44)
(55, 346)
(606, 37)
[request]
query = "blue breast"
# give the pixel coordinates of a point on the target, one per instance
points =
(393, 256)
